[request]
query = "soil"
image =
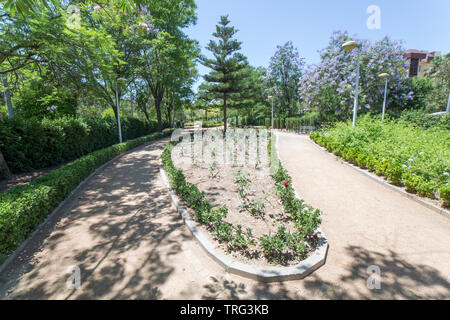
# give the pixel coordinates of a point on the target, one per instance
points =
(24, 178)
(218, 182)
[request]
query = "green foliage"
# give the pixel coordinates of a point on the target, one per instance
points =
(37, 99)
(444, 194)
(439, 75)
(282, 244)
(23, 208)
(402, 151)
(421, 88)
(29, 144)
(305, 218)
(211, 123)
(227, 80)
(426, 120)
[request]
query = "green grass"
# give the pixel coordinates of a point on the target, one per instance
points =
(405, 153)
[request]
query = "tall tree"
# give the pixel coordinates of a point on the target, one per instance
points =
(285, 70)
(166, 62)
(229, 67)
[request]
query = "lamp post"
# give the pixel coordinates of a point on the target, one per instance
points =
(385, 77)
(271, 118)
(119, 80)
(350, 45)
(448, 103)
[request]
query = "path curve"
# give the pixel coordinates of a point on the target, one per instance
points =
(129, 243)
(368, 224)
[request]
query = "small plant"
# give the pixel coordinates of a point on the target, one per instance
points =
(282, 245)
(255, 207)
(444, 194)
(213, 171)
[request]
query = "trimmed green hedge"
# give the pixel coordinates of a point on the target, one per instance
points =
(29, 144)
(211, 123)
(23, 208)
(406, 154)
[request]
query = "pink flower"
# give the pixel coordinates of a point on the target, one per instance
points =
(286, 184)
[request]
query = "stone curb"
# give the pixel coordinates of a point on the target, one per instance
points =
(264, 274)
(55, 211)
(374, 177)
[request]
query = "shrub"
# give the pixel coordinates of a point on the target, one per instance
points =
(36, 97)
(412, 151)
(29, 144)
(23, 208)
(444, 194)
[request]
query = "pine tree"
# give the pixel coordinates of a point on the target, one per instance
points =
(229, 73)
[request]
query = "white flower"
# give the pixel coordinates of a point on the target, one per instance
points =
(410, 159)
(404, 165)
(446, 174)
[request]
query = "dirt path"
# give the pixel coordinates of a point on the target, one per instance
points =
(129, 243)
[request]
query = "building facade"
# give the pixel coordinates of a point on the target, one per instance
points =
(419, 61)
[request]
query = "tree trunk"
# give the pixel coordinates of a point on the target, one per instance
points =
(158, 114)
(4, 170)
(7, 94)
(169, 115)
(224, 115)
(146, 113)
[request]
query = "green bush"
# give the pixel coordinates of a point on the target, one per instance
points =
(444, 194)
(29, 144)
(35, 100)
(211, 123)
(425, 120)
(23, 208)
(407, 151)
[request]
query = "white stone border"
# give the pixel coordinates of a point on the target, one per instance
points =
(264, 274)
(382, 181)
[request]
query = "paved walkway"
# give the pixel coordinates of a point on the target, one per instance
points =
(129, 243)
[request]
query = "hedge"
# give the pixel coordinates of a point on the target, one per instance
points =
(406, 154)
(29, 144)
(23, 208)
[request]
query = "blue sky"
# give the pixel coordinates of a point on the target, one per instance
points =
(264, 24)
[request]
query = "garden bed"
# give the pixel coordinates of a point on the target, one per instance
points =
(247, 208)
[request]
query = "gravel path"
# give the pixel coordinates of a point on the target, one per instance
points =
(129, 243)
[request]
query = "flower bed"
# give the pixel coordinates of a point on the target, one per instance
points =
(254, 215)
(406, 154)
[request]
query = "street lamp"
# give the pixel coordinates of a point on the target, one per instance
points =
(448, 103)
(271, 119)
(385, 77)
(350, 45)
(119, 80)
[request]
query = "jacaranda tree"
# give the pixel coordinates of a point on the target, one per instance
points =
(329, 85)
(285, 69)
